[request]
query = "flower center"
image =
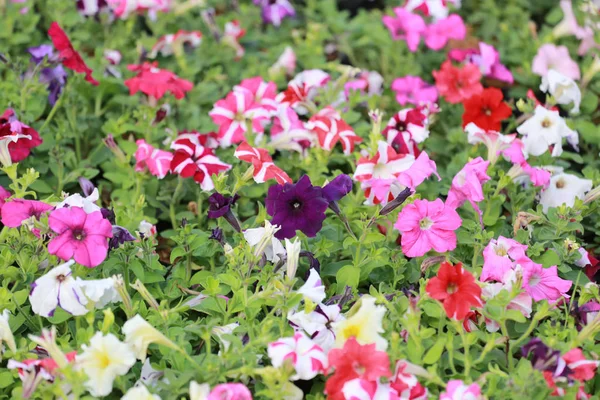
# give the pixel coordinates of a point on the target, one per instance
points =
(487, 111)
(452, 288)
(501, 251)
(560, 183)
(61, 278)
(351, 331)
(103, 360)
(78, 234)
(239, 117)
(425, 223)
(296, 204)
(359, 369)
(546, 123)
(534, 280)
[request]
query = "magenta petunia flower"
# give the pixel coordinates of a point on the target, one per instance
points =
(405, 26)
(467, 185)
(156, 161)
(275, 11)
(16, 211)
(264, 93)
(81, 236)
(427, 225)
(414, 90)
(499, 257)
(439, 33)
(543, 283)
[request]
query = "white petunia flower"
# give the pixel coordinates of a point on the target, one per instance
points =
(87, 203)
(293, 254)
(317, 324)
(139, 334)
(313, 289)
(199, 391)
(365, 325)
(306, 356)
(221, 331)
(562, 88)
(140, 392)
(546, 128)
(564, 189)
(6, 335)
(264, 241)
(100, 291)
(103, 360)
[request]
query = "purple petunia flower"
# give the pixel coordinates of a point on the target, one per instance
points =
(54, 76)
(120, 236)
(335, 190)
(44, 50)
(220, 206)
(275, 11)
(544, 358)
(297, 206)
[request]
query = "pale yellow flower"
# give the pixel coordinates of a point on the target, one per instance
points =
(139, 334)
(365, 325)
(140, 392)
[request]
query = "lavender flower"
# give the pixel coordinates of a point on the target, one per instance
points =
(275, 11)
(120, 236)
(54, 76)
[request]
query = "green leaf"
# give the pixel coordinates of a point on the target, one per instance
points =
(435, 352)
(347, 276)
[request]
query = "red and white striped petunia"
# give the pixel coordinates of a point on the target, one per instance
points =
(155, 160)
(331, 130)
(233, 113)
(306, 356)
(303, 87)
(264, 93)
(264, 168)
(406, 129)
(191, 159)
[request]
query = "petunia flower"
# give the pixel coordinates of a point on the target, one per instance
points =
(544, 358)
(562, 88)
(414, 90)
(220, 206)
(155, 82)
(427, 225)
(139, 392)
(288, 132)
(88, 203)
(313, 289)
(6, 335)
(570, 26)
(487, 59)
(168, 44)
(304, 87)
(307, 357)
(16, 138)
(156, 161)
(330, 130)
(467, 184)
(368, 83)
(441, 31)
(80, 236)
(365, 326)
(521, 169)
(264, 242)
(103, 360)
(495, 142)
(405, 381)
(139, 334)
(405, 26)
(550, 56)
(124, 8)
(543, 283)
(499, 257)
(113, 56)
(406, 129)
(487, 110)
(264, 168)
(232, 33)
(16, 211)
(436, 9)
(363, 389)
(318, 324)
(457, 390)
(581, 368)
(193, 160)
(100, 291)
(457, 84)
(57, 287)
(296, 206)
(544, 129)
(228, 391)
(263, 93)
(564, 189)
(456, 289)
(286, 63)
(69, 57)
(233, 115)
(275, 11)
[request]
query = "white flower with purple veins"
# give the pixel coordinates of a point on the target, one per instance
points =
(564, 189)
(546, 128)
(562, 88)
(306, 356)
(313, 289)
(87, 203)
(317, 324)
(57, 288)
(275, 11)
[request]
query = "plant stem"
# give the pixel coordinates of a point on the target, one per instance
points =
(467, 356)
(176, 194)
(509, 355)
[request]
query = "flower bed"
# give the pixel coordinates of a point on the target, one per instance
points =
(277, 200)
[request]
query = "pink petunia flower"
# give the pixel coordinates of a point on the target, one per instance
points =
(155, 82)
(439, 33)
(495, 142)
(288, 132)
(543, 283)
(364, 389)
(156, 161)
(264, 93)
(304, 87)
(487, 58)
(521, 169)
(4, 194)
(81, 236)
(436, 9)
(570, 26)
(499, 257)
(286, 63)
(192, 159)
(550, 56)
(467, 185)
(582, 368)
(522, 302)
(367, 82)
(406, 129)
(124, 8)
(232, 34)
(233, 114)
(457, 390)
(18, 210)
(332, 129)
(264, 168)
(307, 358)
(427, 225)
(230, 391)
(405, 382)
(414, 90)
(405, 26)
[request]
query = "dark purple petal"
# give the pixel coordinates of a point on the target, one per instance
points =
(337, 188)
(120, 236)
(220, 205)
(108, 214)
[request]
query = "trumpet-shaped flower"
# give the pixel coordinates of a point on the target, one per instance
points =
(440, 32)
(16, 138)
(88, 203)
(365, 325)
(546, 128)
(264, 167)
(286, 63)
(550, 56)
(57, 287)
(139, 334)
(499, 257)
(467, 185)
(264, 242)
(406, 26)
(307, 358)
(495, 142)
(16, 211)
(156, 161)
(103, 360)
(330, 130)
(318, 324)
(6, 335)
(457, 84)
(414, 90)
(562, 88)
(456, 289)
(313, 289)
(543, 283)
(564, 189)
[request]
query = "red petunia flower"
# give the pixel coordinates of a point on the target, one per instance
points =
(457, 84)
(155, 82)
(355, 361)
(70, 58)
(330, 128)
(487, 110)
(456, 289)
(28, 138)
(264, 168)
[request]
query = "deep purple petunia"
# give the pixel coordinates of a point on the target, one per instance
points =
(56, 79)
(220, 206)
(340, 186)
(544, 358)
(120, 236)
(297, 206)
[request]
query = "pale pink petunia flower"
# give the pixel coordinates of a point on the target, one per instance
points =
(499, 257)
(467, 185)
(154, 160)
(457, 390)
(405, 26)
(264, 168)
(230, 391)
(367, 82)
(307, 358)
(543, 283)
(264, 93)
(363, 389)
(439, 33)
(495, 142)
(414, 90)
(288, 132)
(427, 225)
(18, 210)
(285, 63)
(80, 236)
(550, 56)
(521, 169)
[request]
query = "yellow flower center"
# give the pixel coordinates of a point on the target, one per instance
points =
(103, 360)
(351, 331)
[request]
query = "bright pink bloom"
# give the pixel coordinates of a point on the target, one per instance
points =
(421, 169)
(406, 129)
(521, 168)
(264, 168)
(414, 90)
(405, 383)
(362, 389)
(543, 283)
(582, 369)
(489, 63)
(306, 356)
(367, 82)
(4, 194)
(264, 93)
(69, 57)
(18, 210)
(155, 82)
(157, 161)
(331, 130)
(405, 26)
(457, 390)
(81, 236)
(427, 225)
(499, 257)
(230, 391)
(439, 33)
(26, 137)
(233, 113)
(467, 185)
(550, 56)
(192, 159)
(457, 84)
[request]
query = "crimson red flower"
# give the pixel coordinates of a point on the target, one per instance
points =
(355, 361)
(70, 58)
(155, 82)
(487, 110)
(457, 84)
(10, 125)
(456, 289)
